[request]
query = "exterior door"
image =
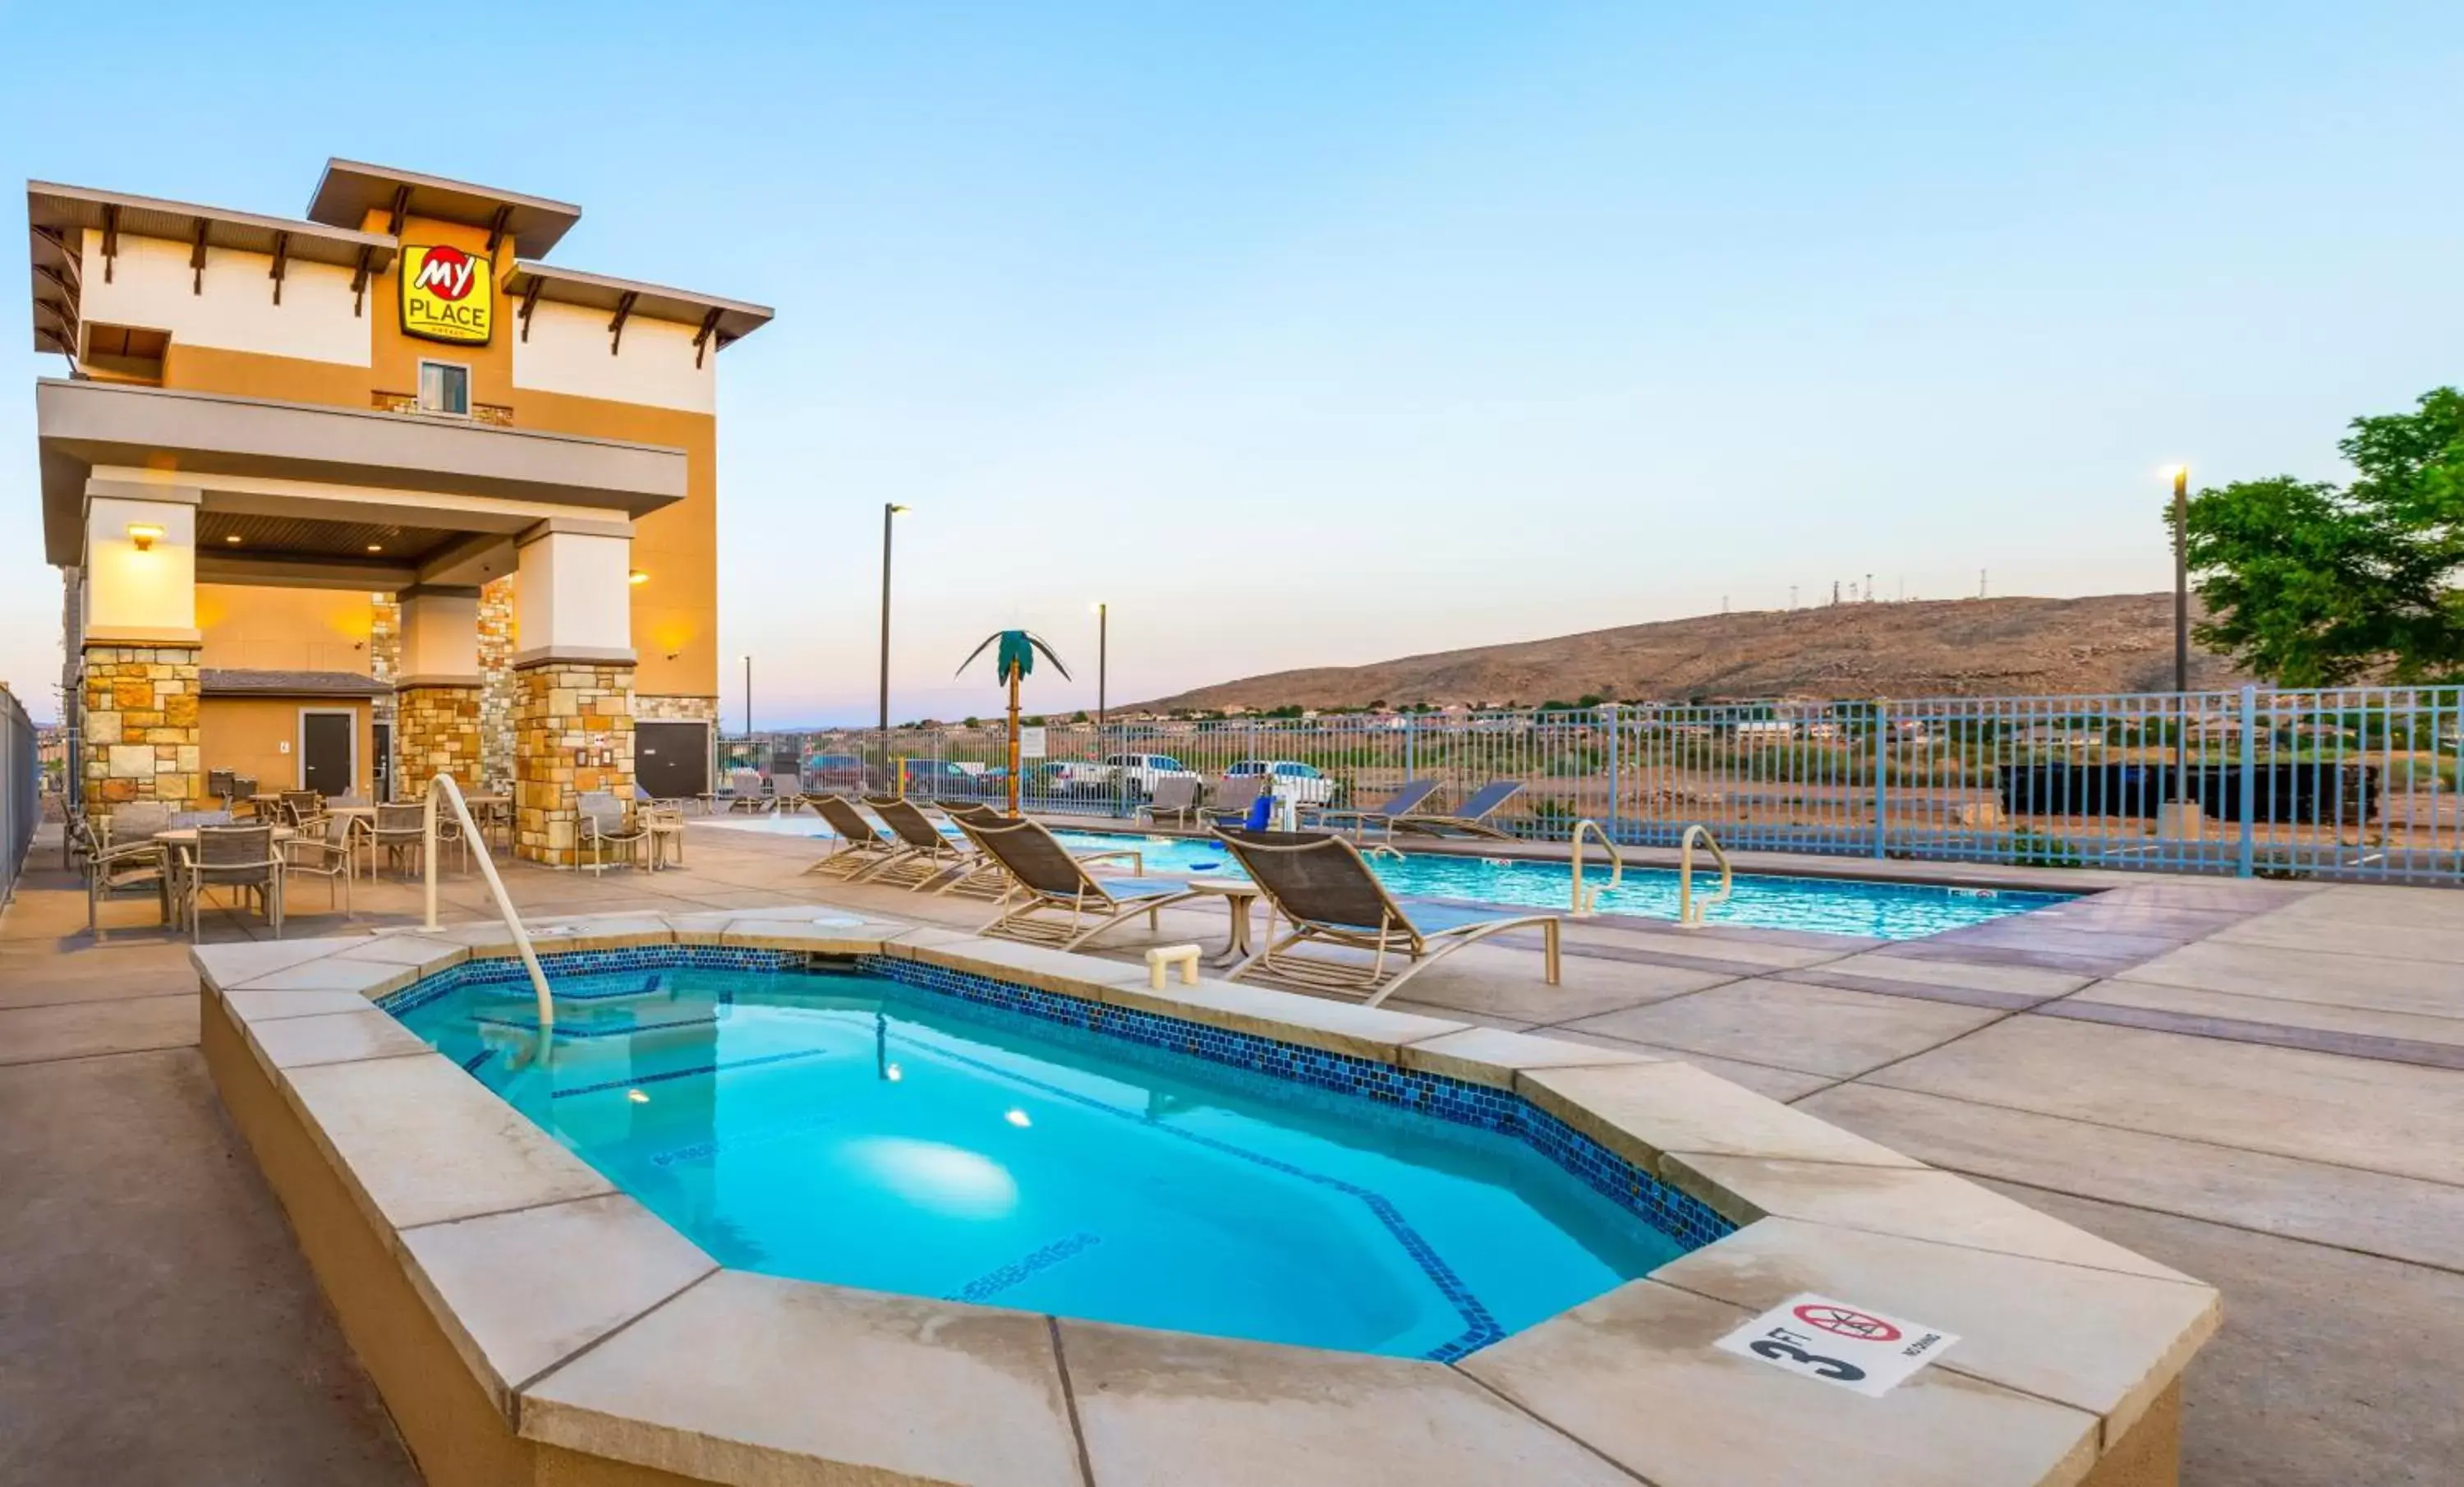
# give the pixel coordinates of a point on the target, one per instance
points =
(384, 760)
(327, 742)
(672, 759)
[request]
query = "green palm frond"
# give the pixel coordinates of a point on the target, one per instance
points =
(1017, 654)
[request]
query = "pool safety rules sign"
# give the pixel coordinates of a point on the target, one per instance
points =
(1853, 1347)
(447, 294)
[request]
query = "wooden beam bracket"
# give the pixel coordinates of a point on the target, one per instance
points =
(359, 282)
(401, 209)
(530, 303)
(616, 326)
(497, 228)
(281, 260)
(703, 337)
(197, 258)
(110, 239)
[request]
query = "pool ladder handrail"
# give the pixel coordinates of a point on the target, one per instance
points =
(444, 786)
(1587, 900)
(1690, 912)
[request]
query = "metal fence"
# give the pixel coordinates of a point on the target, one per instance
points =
(21, 772)
(2353, 784)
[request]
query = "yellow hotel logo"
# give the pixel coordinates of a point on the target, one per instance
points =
(447, 294)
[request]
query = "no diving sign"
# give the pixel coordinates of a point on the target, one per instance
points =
(1851, 1347)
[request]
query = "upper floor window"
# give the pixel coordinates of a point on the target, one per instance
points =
(445, 387)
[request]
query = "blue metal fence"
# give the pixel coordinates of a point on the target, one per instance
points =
(2355, 783)
(20, 790)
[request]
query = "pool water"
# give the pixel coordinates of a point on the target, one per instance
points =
(851, 1128)
(1821, 905)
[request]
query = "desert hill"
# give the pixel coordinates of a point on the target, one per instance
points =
(1943, 648)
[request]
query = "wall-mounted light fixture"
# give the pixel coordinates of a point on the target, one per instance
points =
(637, 578)
(144, 535)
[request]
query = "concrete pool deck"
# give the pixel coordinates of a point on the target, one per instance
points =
(2295, 1143)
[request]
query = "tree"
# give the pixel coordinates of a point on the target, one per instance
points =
(2312, 585)
(1015, 662)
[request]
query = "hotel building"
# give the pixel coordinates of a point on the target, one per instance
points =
(344, 501)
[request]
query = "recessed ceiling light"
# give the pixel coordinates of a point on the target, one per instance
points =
(376, 546)
(233, 538)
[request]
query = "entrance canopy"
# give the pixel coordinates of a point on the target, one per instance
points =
(339, 496)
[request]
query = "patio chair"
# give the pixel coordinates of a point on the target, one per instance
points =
(218, 784)
(1176, 795)
(1405, 800)
(1229, 798)
(1469, 819)
(137, 864)
(665, 821)
(241, 858)
(1050, 881)
(604, 823)
(327, 856)
(787, 794)
(400, 827)
(859, 848)
(1322, 885)
(304, 809)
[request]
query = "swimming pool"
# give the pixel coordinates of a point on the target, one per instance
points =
(902, 1127)
(1822, 905)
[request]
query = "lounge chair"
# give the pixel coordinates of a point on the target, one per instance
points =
(861, 847)
(1176, 795)
(743, 793)
(787, 794)
(989, 879)
(1048, 880)
(1323, 886)
(1230, 798)
(1405, 800)
(929, 854)
(1469, 819)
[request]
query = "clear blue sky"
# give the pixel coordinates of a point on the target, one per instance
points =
(1321, 332)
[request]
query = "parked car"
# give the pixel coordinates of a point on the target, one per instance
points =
(1134, 776)
(1302, 785)
(938, 778)
(835, 775)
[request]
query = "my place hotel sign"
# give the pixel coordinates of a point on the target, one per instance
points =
(447, 294)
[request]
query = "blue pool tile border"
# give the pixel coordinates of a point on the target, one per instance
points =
(1679, 1215)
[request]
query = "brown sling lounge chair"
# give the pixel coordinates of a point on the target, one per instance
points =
(861, 847)
(1047, 881)
(1469, 819)
(989, 879)
(929, 853)
(1323, 886)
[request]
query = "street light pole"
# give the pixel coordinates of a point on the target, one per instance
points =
(2181, 578)
(889, 513)
(748, 701)
(1102, 650)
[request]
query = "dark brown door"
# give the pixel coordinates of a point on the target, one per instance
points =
(672, 759)
(326, 752)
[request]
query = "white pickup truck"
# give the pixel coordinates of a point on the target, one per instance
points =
(1302, 785)
(1133, 775)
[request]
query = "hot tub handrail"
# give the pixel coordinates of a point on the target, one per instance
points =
(1690, 913)
(444, 786)
(1587, 900)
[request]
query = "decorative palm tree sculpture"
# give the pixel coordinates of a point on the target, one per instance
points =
(1016, 661)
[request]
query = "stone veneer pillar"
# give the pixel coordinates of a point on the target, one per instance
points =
(138, 710)
(436, 731)
(573, 732)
